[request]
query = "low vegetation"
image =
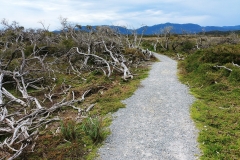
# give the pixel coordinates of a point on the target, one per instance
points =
(214, 78)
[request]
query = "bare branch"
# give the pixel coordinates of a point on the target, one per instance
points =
(235, 64)
(223, 67)
(11, 97)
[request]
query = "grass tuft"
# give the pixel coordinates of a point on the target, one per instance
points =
(94, 128)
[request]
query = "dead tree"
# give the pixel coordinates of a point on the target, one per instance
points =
(165, 34)
(21, 115)
(203, 41)
(134, 39)
(234, 39)
(25, 62)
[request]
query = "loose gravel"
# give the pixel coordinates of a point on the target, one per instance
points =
(155, 125)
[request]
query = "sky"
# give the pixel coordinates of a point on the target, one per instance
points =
(129, 13)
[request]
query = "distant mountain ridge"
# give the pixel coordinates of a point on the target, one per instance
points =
(177, 28)
(188, 27)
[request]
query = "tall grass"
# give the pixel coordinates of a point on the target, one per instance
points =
(94, 128)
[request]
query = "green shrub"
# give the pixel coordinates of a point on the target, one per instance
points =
(68, 43)
(187, 45)
(192, 62)
(221, 54)
(94, 128)
(28, 50)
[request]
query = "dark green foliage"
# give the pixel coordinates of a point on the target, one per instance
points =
(187, 45)
(28, 50)
(222, 54)
(68, 43)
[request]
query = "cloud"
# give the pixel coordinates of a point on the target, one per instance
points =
(125, 12)
(163, 17)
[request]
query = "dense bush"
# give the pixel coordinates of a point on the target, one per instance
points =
(187, 46)
(222, 54)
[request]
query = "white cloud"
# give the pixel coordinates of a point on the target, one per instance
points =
(125, 12)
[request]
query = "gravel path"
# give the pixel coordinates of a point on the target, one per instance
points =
(155, 125)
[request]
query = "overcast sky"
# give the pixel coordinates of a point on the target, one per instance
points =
(129, 13)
